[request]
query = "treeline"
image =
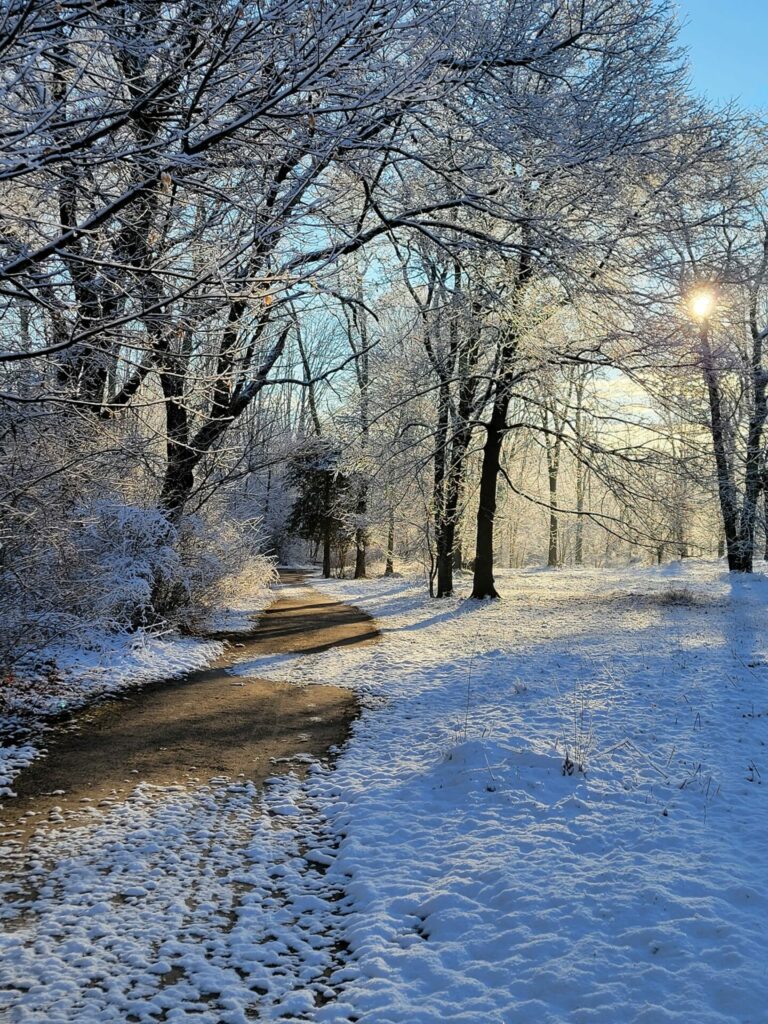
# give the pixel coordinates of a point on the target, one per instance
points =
(361, 272)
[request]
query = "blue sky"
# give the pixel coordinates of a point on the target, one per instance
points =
(728, 40)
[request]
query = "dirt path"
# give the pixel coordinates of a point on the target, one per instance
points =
(211, 723)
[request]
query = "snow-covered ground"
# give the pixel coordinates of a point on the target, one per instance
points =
(446, 869)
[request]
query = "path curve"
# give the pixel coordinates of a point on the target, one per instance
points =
(210, 723)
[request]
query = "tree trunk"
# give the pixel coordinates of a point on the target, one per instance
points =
(184, 453)
(724, 477)
(447, 532)
(680, 542)
(179, 478)
(362, 369)
(578, 553)
(361, 536)
(753, 479)
(443, 567)
(458, 556)
(554, 526)
(447, 547)
(268, 495)
(553, 440)
(389, 568)
(484, 583)
(453, 495)
(327, 527)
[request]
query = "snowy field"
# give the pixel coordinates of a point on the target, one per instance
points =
(447, 870)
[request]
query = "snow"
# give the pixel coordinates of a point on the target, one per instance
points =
(110, 663)
(246, 595)
(447, 869)
(195, 906)
(490, 887)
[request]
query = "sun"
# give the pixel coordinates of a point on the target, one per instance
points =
(701, 303)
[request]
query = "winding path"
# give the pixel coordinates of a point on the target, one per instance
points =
(173, 892)
(210, 723)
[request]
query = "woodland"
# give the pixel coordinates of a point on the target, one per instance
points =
(383, 516)
(454, 285)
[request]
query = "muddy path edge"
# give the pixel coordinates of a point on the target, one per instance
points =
(208, 723)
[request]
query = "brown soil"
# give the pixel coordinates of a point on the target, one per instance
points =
(211, 723)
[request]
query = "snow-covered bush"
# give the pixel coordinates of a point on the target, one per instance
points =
(84, 549)
(97, 568)
(121, 555)
(116, 564)
(222, 563)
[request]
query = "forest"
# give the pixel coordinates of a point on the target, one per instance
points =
(460, 308)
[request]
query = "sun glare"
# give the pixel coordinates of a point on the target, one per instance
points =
(701, 304)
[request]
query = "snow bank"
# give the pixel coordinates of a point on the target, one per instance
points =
(64, 676)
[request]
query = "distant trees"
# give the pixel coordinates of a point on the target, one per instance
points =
(389, 258)
(322, 502)
(717, 271)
